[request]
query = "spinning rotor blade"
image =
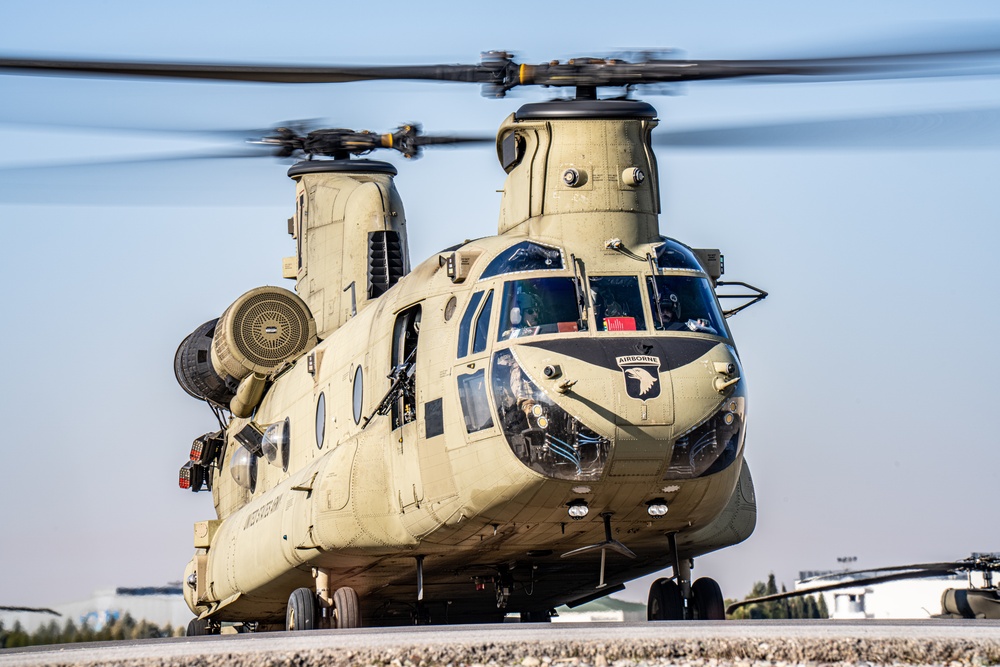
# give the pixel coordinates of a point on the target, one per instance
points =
(965, 128)
(229, 72)
(899, 576)
(498, 72)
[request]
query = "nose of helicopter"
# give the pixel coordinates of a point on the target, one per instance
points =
(638, 394)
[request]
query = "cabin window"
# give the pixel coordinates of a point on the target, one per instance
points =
(359, 394)
(684, 303)
(404, 359)
(540, 306)
(320, 420)
(524, 256)
(541, 434)
(674, 255)
(475, 405)
(466, 325)
(617, 303)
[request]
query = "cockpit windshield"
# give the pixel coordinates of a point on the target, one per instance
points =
(617, 303)
(539, 306)
(684, 303)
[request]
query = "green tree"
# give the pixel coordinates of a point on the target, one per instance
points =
(795, 607)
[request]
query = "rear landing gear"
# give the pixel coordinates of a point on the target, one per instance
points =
(302, 608)
(346, 609)
(199, 627)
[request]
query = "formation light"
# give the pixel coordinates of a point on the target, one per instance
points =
(578, 509)
(191, 477)
(656, 508)
(205, 449)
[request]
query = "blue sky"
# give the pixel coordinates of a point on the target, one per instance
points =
(871, 364)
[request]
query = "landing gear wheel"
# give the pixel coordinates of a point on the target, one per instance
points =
(665, 602)
(301, 614)
(199, 627)
(541, 616)
(709, 605)
(346, 609)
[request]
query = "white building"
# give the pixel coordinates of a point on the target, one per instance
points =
(161, 605)
(909, 598)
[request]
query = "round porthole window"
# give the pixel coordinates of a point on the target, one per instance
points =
(320, 420)
(359, 394)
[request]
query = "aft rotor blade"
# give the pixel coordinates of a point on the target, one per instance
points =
(966, 128)
(918, 574)
(429, 140)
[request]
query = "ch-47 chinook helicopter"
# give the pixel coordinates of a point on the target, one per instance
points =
(520, 421)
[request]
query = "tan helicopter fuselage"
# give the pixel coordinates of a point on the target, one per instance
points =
(504, 424)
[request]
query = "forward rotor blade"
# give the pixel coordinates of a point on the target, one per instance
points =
(501, 73)
(233, 72)
(966, 128)
(919, 574)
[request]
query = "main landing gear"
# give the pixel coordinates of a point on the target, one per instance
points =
(309, 610)
(677, 599)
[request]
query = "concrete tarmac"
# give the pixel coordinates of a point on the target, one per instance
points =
(696, 644)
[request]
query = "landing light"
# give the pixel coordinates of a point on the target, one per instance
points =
(578, 509)
(656, 508)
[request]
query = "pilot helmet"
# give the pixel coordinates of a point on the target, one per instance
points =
(669, 306)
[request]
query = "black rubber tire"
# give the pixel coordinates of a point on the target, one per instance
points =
(664, 602)
(709, 605)
(346, 608)
(538, 616)
(200, 627)
(301, 613)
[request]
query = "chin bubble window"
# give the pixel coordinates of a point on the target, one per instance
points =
(541, 434)
(714, 445)
(538, 306)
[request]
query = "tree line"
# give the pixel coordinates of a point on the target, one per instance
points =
(124, 627)
(808, 606)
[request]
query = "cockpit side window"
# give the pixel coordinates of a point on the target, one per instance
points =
(483, 325)
(540, 306)
(684, 303)
(617, 303)
(466, 325)
(524, 256)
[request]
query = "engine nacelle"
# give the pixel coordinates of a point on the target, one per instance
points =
(260, 331)
(194, 370)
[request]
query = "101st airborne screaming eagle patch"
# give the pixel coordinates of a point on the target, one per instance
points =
(642, 376)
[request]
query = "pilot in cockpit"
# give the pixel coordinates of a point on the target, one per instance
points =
(668, 313)
(524, 314)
